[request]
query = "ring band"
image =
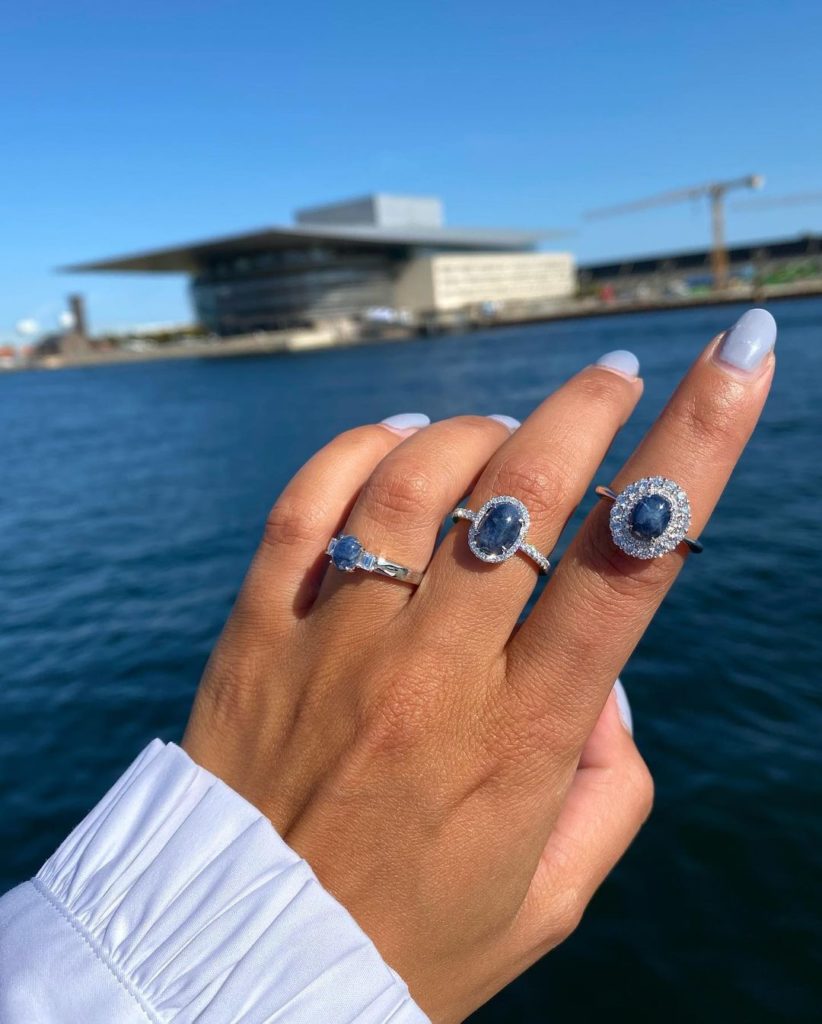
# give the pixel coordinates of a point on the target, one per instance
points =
(499, 530)
(650, 517)
(348, 554)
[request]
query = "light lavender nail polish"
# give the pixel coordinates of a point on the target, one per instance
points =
(620, 361)
(624, 707)
(506, 421)
(406, 421)
(750, 339)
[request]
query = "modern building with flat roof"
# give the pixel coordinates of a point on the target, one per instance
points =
(342, 259)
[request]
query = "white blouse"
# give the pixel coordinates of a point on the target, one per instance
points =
(175, 901)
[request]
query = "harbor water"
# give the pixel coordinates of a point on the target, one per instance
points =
(132, 497)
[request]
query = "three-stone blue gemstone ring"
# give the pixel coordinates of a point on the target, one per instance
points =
(499, 530)
(348, 554)
(650, 517)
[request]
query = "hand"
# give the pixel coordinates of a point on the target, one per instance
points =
(461, 785)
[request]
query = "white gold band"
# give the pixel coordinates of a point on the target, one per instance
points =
(347, 554)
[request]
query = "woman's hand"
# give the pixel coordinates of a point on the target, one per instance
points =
(462, 786)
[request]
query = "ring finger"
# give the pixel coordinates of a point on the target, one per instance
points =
(547, 465)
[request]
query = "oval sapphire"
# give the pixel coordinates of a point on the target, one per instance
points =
(650, 517)
(346, 552)
(499, 529)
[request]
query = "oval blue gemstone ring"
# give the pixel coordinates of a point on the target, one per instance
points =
(499, 530)
(348, 554)
(650, 518)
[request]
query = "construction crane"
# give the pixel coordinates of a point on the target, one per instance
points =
(715, 192)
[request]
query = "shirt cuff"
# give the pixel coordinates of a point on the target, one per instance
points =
(204, 914)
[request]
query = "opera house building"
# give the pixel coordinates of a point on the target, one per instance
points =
(343, 259)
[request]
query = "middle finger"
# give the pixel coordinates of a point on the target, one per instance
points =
(547, 465)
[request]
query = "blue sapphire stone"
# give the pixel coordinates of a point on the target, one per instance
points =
(499, 529)
(650, 517)
(346, 552)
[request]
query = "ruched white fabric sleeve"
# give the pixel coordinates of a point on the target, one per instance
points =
(175, 901)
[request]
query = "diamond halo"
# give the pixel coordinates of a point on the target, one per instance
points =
(502, 499)
(627, 500)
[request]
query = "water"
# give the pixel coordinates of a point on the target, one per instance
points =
(132, 498)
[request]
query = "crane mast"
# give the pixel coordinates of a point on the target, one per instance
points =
(715, 191)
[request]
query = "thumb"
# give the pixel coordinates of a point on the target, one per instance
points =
(609, 799)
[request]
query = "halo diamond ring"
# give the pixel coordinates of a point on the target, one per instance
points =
(650, 517)
(499, 530)
(348, 554)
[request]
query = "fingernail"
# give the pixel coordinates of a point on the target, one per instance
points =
(506, 421)
(624, 707)
(620, 361)
(406, 422)
(747, 343)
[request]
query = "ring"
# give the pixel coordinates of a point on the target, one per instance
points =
(348, 554)
(499, 530)
(650, 517)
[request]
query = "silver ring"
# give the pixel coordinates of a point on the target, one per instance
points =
(499, 530)
(348, 554)
(650, 517)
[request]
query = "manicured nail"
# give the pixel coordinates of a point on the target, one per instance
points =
(406, 422)
(747, 343)
(506, 421)
(620, 361)
(624, 707)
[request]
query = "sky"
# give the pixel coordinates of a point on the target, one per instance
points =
(132, 126)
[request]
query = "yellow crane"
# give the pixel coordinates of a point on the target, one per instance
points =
(715, 191)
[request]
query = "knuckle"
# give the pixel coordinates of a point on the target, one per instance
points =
(640, 786)
(540, 483)
(401, 490)
(370, 439)
(710, 419)
(483, 426)
(567, 909)
(293, 521)
(601, 392)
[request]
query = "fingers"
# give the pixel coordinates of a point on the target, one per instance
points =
(402, 505)
(608, 801)
(599, 602)
(547, 464)
(289, 563)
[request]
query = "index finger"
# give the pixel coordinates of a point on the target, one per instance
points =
(600, 601)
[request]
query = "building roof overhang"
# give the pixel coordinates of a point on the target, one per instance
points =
(192, 257)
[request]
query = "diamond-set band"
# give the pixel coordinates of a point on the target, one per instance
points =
(650, 517)
(499, 530)
(347, 554)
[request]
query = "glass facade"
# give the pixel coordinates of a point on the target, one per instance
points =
(292, 287)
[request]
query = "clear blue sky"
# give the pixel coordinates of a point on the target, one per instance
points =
(129, 126)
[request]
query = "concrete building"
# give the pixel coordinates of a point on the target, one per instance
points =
(454, 281)
(343, 259)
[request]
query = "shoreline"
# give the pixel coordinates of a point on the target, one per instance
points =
(321, 338)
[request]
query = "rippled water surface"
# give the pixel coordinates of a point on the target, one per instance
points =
(132, 498)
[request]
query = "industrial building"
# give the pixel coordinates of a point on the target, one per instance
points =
(776, 262)
(345, 259)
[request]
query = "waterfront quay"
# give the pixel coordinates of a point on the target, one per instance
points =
(265, 343)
